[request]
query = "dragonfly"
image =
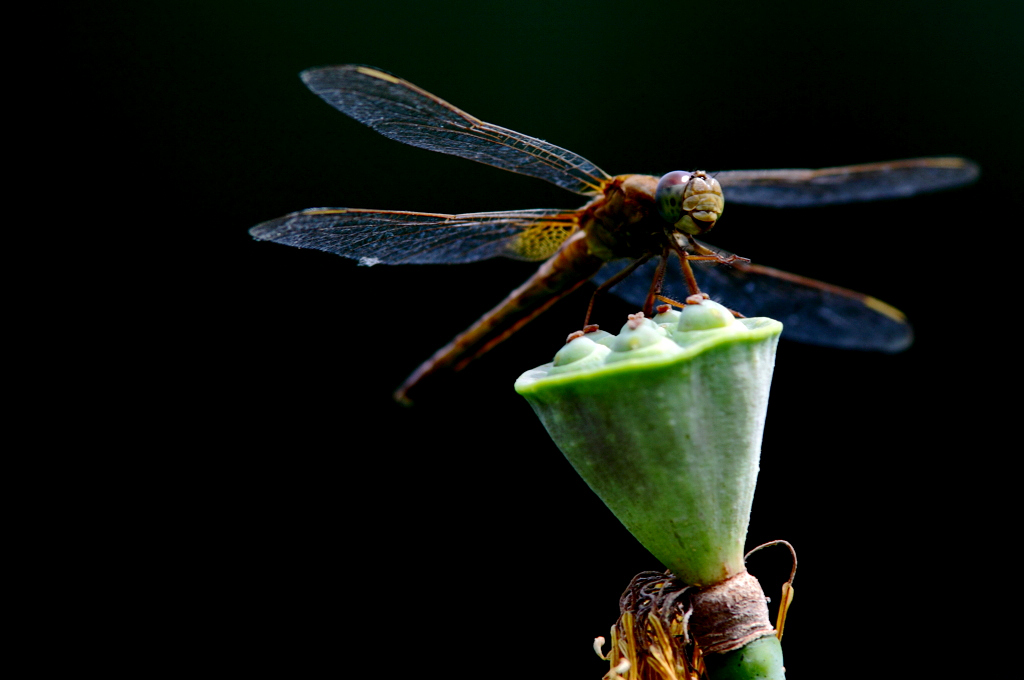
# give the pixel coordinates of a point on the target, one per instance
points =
(636, 233)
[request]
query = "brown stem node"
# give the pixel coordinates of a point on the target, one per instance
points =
(730, 614)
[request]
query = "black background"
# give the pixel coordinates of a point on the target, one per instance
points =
(305, 521)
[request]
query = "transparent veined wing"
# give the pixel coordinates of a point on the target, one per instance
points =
(397, 237)
(797, 188)
(398, 109)
(811, 311)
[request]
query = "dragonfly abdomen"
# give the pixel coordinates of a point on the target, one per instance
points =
(565, 271)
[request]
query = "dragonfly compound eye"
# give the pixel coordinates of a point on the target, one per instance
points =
(691, 203)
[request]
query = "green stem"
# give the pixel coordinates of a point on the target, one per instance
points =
(757, 660)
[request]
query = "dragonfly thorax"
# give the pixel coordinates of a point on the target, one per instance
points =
(691, 202)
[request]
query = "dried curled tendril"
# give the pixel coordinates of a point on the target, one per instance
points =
(651, 640)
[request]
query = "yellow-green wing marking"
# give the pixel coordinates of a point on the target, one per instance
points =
(794, 188)
(398, 109)
(398, 237)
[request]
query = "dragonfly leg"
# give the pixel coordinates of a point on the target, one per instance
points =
(611, 282)
(670, 302)
(720, 259)
(684, 257)
(691, 300)
(707, 254)
(656, 283)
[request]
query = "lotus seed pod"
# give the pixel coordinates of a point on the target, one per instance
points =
(667, 431)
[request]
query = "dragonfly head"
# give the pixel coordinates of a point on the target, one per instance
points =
(691, 202)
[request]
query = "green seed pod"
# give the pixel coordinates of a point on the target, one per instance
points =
(666, 429)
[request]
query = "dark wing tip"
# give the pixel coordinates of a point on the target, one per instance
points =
(263, 231)
(900, 343)
(312, 76)
(954, 172)
(283, 227)
(267, 231)
(314, 70)
(972, 171)
(310, 73)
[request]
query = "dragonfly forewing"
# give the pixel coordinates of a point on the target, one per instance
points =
(401, 111)
(800, 188)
